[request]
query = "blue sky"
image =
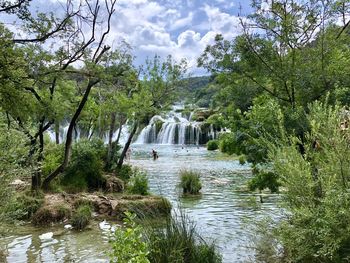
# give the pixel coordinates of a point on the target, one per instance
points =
(182, 28)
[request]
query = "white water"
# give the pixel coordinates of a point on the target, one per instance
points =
(175, 129)
(77, 134)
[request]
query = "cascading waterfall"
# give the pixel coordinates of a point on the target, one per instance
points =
(78, 133)
(175, 129)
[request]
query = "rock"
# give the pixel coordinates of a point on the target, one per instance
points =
(58, 233)
(68, 226)
(114, 184)
(19, 185)
(45, 236)
(104, 225)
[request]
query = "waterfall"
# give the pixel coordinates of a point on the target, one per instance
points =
(78, 134)
(172, 129)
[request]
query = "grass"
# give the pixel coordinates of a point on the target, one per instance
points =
(138, 184)
(190, 182)
(179, 242)
(81, 217)
(48, 214)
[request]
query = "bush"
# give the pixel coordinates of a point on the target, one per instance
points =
(242, 160)
(125, 172)
(127, 243)
(178, 241)
(81, 217)
(264, 178)
(23, 206)
(190, 182)
(228, 143)
(212, 145)
(138, 183)
(85, 170)
(317, 200)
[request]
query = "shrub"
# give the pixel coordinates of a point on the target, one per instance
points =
(81, 217)
(316, 201)
(242, 160)
(212, 145)
(127, 243)
(228, 143)
(178, 241)
(125, 172)
(23, 206)
(190, 182)
(264, 179)
(85, 170)
(138, 183)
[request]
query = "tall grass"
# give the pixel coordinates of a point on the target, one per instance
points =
(190, 182)
(179, 242)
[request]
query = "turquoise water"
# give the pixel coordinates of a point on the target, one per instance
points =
(223, 213)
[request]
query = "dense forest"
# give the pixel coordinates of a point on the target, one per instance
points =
(278, 93)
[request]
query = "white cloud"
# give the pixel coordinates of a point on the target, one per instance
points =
(223, 23)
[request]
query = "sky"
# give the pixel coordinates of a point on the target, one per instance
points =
(182, 28)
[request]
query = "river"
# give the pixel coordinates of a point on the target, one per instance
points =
(223, 213)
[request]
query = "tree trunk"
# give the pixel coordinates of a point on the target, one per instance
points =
(126, 147)
(57, 132)
(110, 139)
(121, 123)
(35, 180)
(69, 139)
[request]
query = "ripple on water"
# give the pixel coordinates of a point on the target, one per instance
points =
(221, 213)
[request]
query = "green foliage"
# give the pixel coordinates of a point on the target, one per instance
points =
(264, 179)
(128, 245)
(82, 216)
(178, 241)
(13, 164)
(317, 199)
(85, 169)
(212, 145)
(53, 157)
(125, 172)
(190, 182)
(22, 206)
(228, 144)
(138, 183)
(242, 160)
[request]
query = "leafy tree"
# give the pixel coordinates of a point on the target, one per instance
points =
(315, 228)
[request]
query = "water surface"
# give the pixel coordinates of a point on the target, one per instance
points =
(223, 213)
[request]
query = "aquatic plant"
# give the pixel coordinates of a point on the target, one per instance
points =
(178, 241)
(81, 217)
(212, 145)
(242, 159)
(190, 182)
(149, 207)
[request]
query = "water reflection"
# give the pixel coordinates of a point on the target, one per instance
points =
(220, 213)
